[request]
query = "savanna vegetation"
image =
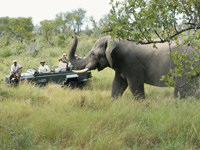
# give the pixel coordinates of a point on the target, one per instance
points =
(54, 117)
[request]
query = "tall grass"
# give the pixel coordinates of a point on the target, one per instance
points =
(60, 118)
(53, 117)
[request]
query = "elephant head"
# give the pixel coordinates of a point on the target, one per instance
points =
(98, 58)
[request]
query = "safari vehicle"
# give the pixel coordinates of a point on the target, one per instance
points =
(62, 75)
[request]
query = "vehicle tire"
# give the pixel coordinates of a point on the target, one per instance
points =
(14, 82)
(73, 84)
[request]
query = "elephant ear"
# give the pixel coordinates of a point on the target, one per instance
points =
(109, 50)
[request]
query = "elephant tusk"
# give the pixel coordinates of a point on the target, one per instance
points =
(81, 71)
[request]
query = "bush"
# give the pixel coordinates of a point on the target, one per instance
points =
(5, 52)
(19, 48)
(60, 41)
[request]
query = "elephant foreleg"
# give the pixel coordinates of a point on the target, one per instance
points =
(119, 85)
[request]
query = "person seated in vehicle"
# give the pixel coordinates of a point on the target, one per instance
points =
(63, 62)
(16, 71)
(64, 58)
(43, 68)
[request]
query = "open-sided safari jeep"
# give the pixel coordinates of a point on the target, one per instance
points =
(62, 75)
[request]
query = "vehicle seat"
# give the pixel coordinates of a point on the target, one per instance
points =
(63, 66)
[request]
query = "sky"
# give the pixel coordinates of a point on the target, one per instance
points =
(47, 9)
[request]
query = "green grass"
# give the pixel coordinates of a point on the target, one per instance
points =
(60, 118)
(53, 117)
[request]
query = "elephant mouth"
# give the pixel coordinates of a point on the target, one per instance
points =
(100, 68)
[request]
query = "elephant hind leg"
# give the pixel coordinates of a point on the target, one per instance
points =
(119, 85)
(176, 92)
(137, 88)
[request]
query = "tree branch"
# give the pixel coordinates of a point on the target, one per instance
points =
(165, 40)
(192, 77)
(110, 30)
(144, 36)
(158, 35)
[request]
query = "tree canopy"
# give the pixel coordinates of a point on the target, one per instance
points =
(145, 20)
(19, 28)
(47, 27)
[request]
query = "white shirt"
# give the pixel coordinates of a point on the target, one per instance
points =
(14, 68)
(43, 69)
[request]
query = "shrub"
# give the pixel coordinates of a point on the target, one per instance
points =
(61, 40)
(5, 52)
(19, 48)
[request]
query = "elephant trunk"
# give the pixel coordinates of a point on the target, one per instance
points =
(73, 49)
(77, 64)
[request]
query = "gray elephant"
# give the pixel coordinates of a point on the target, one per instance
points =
(134, 64)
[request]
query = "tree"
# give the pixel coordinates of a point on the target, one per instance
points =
(60, 23)
(138, 19)
(102, 25)
(47, 27)
(78, 18)
(64, 23)
(88, 31)
(5, 30)
(95, 26)
(22, 28)
(4, 22)
(158, 21)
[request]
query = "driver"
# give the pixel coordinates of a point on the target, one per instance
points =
(16, 71)
(43, 68)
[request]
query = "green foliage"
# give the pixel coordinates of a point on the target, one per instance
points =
(78, 18)
(22, 28)
(18, 28)
(61, 22)
(5, 52)
(102, 26)
(70, 22)
(61, 40)
(88, 31)
(139, 19)
(47, 27)
(20, 48)
(85, 44)
(15, 49)
(5, 30)
(158, 21)
(5, 40)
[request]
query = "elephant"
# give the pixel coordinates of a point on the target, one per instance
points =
(134, 64)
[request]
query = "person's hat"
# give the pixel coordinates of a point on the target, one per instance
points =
(64, 54)
(42, 61)
(14, 61)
